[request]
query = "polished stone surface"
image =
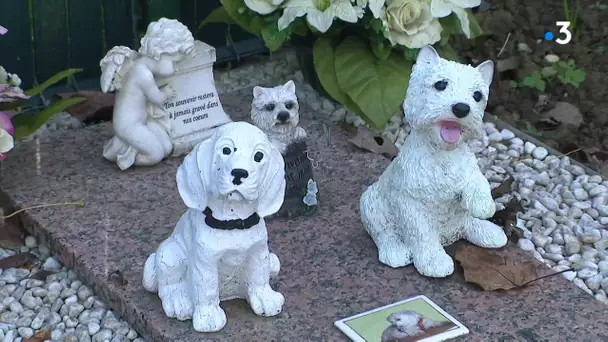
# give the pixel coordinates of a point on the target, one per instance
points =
(329, 265)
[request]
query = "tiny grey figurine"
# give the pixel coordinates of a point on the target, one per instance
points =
(275, 111)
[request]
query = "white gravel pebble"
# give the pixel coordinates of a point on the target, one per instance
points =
(62, 304)
(540, 153)
(51, 264)
(30, 242)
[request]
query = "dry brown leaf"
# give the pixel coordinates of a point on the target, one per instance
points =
(350, 129)
(596, 158)
(369, 140)
(39, 336)
(503, 188)
(41, 275)
(506, 64)
(507, 217)
(97, 107)
(494, 270)
(20, 260)
(11, 236)
(563, 113)
(118, 278)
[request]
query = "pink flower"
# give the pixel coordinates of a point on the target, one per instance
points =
(6, 124)
(3, 30)
(6, 131)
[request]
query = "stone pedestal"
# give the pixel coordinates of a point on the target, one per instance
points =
(196, 111)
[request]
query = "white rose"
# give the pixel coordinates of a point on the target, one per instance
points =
(6, 141)
(263, 7)
(410, 23)
(443, 8)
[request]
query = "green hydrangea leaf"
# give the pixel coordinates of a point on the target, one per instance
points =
(376, 86)
(325, 59)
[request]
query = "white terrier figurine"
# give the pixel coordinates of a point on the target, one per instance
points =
(433, 192)
(276, 112)
(141, 125)
(219, 248)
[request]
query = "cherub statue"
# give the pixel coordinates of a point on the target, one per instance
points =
(141, 125)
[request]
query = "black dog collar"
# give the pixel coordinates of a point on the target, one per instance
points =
(230, 224)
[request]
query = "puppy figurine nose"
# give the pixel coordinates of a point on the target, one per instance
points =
(283, 116)
(461, 110)
(238, 175)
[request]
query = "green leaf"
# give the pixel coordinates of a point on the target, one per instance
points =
(474, 27)
(548, 72)
(376, 86)
(541, 85)
(6, 106)
(381, 50)
(219, 15)
(273, 38)
(447, 52)
(576, 77)
(535, 80)
(28, 123)
(245, 18)
(450, 25)
(54, 79)
(410, 54)
(325, 60)
(299, 27)
(377, 26)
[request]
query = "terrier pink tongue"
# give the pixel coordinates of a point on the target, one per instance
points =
(450, 131)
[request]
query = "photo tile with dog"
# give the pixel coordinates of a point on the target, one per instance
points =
(275, 111)
(413, 319)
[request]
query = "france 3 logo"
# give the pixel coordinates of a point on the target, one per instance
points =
(564, 31)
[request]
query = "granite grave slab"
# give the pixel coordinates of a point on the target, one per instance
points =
(329, 269)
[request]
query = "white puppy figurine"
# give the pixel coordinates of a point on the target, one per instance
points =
(219, 248)
(406, 323)
(276, 112)
(433, 192)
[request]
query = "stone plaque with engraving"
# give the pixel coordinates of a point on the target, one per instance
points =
(299, 199)
(196, 110)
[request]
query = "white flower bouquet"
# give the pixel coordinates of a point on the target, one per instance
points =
(363, 50)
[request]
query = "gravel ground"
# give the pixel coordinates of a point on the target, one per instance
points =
(62, 304)
(564, 219)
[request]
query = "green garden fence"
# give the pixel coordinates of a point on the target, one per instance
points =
(47, 36)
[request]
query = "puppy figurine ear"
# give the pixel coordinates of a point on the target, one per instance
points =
(290, 86)
(427, 54)
(258, 91)
(487, 71)
(193, 175)
(272, 188)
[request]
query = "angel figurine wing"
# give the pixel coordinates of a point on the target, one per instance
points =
(114, 66)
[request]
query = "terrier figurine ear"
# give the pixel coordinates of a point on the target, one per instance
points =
(487, 71)
(290, 86)
(427, 54)
(257, 91)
